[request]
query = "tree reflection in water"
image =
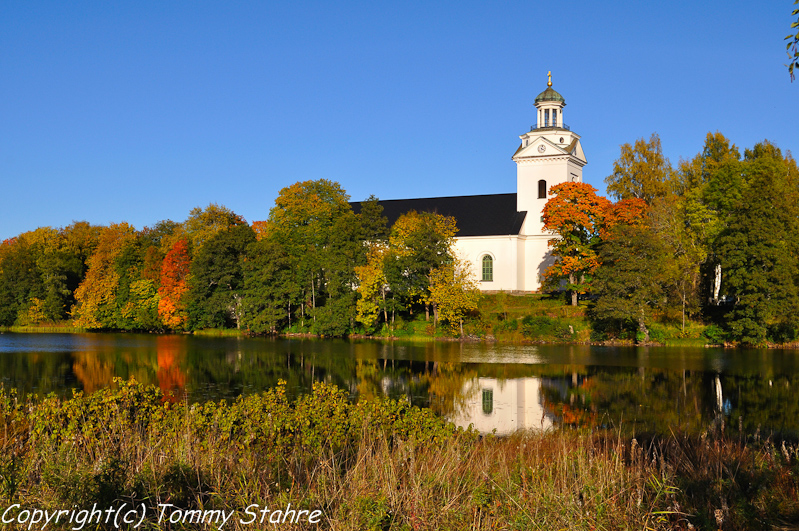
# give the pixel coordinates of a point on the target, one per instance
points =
(633, 390)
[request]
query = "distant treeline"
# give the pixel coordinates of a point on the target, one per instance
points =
(306, 269)
(714, 240)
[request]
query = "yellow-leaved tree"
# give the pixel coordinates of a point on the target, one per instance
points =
(453, 293)
(372, 287)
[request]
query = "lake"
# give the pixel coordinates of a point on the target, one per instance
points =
(493, 387)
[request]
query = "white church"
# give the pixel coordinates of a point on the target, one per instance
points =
(502, 235)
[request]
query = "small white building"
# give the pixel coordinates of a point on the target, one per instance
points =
(502, 235)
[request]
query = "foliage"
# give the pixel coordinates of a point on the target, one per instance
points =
(628, 284)
(267, 295)
(641, 171)
(203, 223)
(537, 327)
(214, 297)
(315, 225)
(96, 297)
(793, 44)
(372, 286)
(173, 288)
(454, 293)
(419, 243)
(760, 246)
(576, 214)
(382, 462)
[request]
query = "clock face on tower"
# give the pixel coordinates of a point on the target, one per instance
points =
(542, 148)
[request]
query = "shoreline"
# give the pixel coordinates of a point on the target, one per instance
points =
(55, 329)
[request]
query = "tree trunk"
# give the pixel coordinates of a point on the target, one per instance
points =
(717, 285)
(642, 327)
(683, 310)
(574, 292)
(313, 298)
(385, 311)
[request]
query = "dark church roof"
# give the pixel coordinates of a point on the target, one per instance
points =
(476, 215)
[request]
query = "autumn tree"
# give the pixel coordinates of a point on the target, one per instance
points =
(420, 242)
(575, 214)
(373, 287)
(641, 171)
(453, 293)
(203, 223)
(174, 285)
(96, 297)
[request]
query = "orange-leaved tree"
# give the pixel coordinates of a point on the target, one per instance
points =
(632, 211)
(174, 272)
(576, 215)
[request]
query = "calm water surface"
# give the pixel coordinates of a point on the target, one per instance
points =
(505, 388)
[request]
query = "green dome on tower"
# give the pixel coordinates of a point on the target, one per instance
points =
(550, 94)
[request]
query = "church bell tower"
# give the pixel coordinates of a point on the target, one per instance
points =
(549, 154)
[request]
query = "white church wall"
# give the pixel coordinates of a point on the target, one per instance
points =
(536, 253)
(502, 250)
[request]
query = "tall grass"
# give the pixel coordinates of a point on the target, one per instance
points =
(378, 464)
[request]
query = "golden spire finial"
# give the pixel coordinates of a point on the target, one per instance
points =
(549, 78)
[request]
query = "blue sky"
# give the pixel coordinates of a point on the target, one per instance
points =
(140, 111)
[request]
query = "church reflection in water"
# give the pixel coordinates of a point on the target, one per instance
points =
(503, 405)
(491, 388)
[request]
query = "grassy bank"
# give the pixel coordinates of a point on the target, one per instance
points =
(500, 317)
(378, 465)
(57, 328)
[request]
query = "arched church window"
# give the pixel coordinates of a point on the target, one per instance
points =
(542, 189)
(488, 268)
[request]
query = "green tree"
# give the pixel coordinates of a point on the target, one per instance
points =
(19, 279)
(700, 170)
(267, 296)
(759, 249)
(374, 225)
(686, 252)
(628, 283)
(641, 171)
(306, 222)
(420, 242)
(216, 281)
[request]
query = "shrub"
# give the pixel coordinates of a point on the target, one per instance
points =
(542, 326)
(715, 334)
